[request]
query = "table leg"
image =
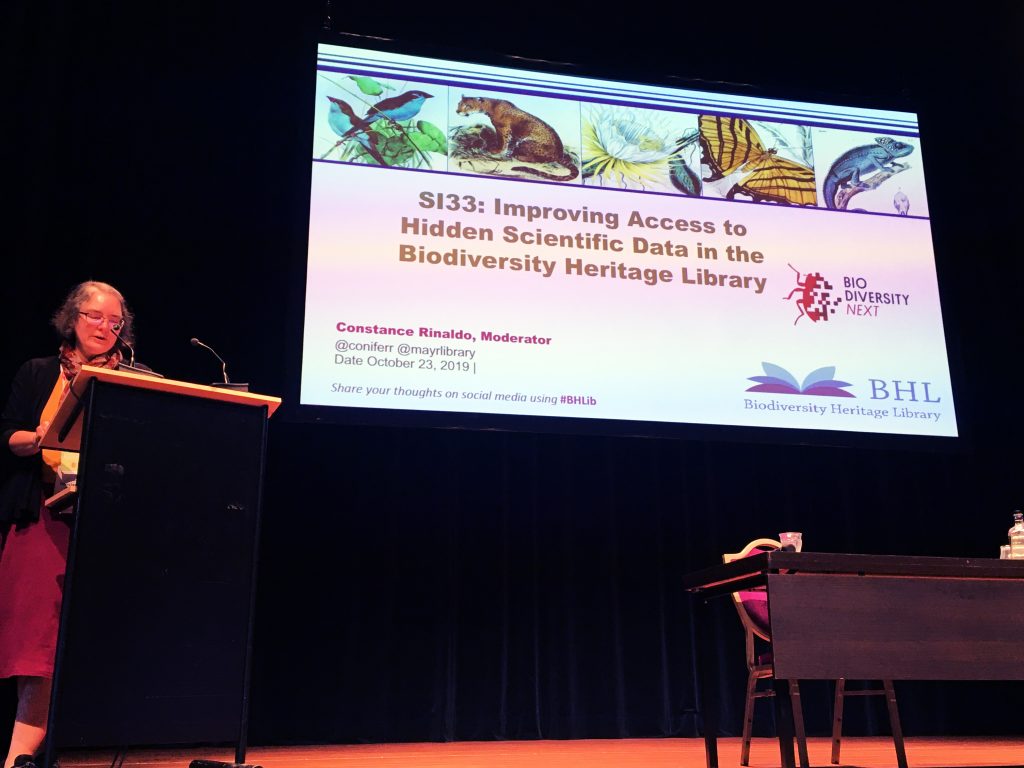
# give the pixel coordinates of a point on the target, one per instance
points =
(707, 664)
(784, 722)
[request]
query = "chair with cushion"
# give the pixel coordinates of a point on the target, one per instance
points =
(752, 606)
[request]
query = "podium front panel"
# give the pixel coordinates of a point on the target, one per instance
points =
(155, 628)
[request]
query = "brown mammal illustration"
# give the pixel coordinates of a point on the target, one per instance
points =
(518, 135)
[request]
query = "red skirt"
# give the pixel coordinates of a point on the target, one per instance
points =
(32, 564)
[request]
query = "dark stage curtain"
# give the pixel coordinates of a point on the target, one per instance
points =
(424, 584)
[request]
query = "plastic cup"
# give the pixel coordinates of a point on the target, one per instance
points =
(1004, 552)
(794, 539)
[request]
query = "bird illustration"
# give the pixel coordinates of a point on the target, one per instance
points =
(395, 109)
(901, 202)
(341, 118)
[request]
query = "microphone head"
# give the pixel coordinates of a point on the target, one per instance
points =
(119, 337)
(194, 341)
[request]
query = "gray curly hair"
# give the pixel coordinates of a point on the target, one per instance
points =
(64, 319)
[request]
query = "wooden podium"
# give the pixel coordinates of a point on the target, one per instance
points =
(156, 623)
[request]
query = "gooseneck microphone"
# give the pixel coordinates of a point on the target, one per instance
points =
(227, 383)
(223, 366)
(145, 370)
(129, 347)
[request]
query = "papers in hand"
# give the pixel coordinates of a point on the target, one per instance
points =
(63, 501)
(66, 485)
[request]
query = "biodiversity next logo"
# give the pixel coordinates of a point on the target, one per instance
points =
(821, 382)
(817, 299)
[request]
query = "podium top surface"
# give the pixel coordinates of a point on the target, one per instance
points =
(70, 411)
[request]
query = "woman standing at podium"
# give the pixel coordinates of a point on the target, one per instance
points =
(33, 539)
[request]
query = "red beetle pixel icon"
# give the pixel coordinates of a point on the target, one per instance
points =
(815, 299)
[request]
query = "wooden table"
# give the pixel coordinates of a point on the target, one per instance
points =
(867, 617)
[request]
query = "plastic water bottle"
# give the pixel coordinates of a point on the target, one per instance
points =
(1017, 537)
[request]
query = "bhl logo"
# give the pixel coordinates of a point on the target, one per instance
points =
(910, 391)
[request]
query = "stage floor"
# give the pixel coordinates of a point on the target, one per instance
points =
(589, 753)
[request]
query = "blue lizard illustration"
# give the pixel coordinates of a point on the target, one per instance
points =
(860, 161)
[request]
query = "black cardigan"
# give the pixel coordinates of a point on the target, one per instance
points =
(22, 476)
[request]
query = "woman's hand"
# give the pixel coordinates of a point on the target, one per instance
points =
(25, 443)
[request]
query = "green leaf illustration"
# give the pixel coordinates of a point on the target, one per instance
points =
(429, 138)
(367, 85)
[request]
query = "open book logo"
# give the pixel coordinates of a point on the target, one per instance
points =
(778, 381)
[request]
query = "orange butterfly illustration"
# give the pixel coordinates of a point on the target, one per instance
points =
(731, 144)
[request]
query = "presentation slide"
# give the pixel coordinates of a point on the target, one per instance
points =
(500, 241)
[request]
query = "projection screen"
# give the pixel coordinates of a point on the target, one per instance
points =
(498, 241)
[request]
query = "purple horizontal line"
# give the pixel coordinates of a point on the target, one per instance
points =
(572, 89)
(579, 185)
(622, 103)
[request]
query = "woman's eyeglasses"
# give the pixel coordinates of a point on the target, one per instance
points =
(95, 318)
